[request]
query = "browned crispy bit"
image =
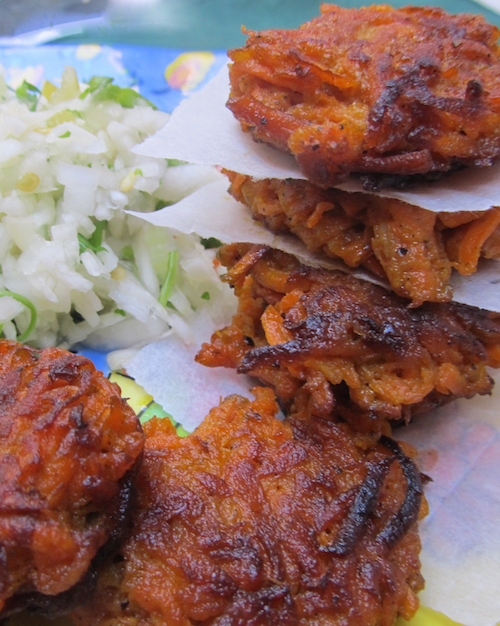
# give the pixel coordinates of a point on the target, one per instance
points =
(366, 499)
(69, 447)
(331, 344)
(412, 248)
(250, 520)
(395, 93)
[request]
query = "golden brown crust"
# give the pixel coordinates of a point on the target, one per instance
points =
(250, 520)
(412, 248)
(330, 344)
(68, 444)
(400, 92)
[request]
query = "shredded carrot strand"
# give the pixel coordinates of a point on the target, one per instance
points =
(272, 322)
(472, 242)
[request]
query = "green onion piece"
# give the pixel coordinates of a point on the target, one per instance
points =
(95, 83)
(205, 296)
(166, 290)
(29, 94)
(175, 162)
(103, 89)
(127, 253)
(125, 96)
(94, 241)
(29, 305)
(120, 312)
(64, 135)
(161, 204)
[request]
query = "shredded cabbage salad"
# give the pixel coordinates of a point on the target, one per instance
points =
(75, 267)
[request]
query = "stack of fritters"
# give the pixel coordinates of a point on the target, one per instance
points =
(69, 447)
(333, 345)
(250, 520)
(412, 248)
(399, 94)
(393, 92)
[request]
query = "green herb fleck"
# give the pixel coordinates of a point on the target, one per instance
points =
(95, 83)
(29, 94)
(127, 253)
(205, 296)
(210, 242)
(64, 135)
(29, 305)
(161, 204)
(175, 162)
(166, 290)
(103, 89)
(120, 312)
(94, 241)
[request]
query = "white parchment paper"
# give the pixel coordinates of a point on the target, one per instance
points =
(212, 212)
(184, 388)
(203, 130)
(459, 447)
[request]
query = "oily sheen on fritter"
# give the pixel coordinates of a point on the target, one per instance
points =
(390, 92)
(69, 447)
(333, 345)
(412, 248)
(253, 521)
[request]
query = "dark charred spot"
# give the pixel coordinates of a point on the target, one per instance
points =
(398, 526)
(301, 70)
(64, 369)
(363, 506)
(474, 90)
(359, 227)
(425, 479)
(92, 518)
(76, 417)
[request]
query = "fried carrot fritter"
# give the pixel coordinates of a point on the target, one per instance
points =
(412, 248)
(333, 345)
(250, 520)
(395, 92)
(68, 451)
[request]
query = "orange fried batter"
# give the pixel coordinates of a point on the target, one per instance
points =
(253, 521)
(68, 448)
(414, 249)
(396, 92)
(331, 344)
